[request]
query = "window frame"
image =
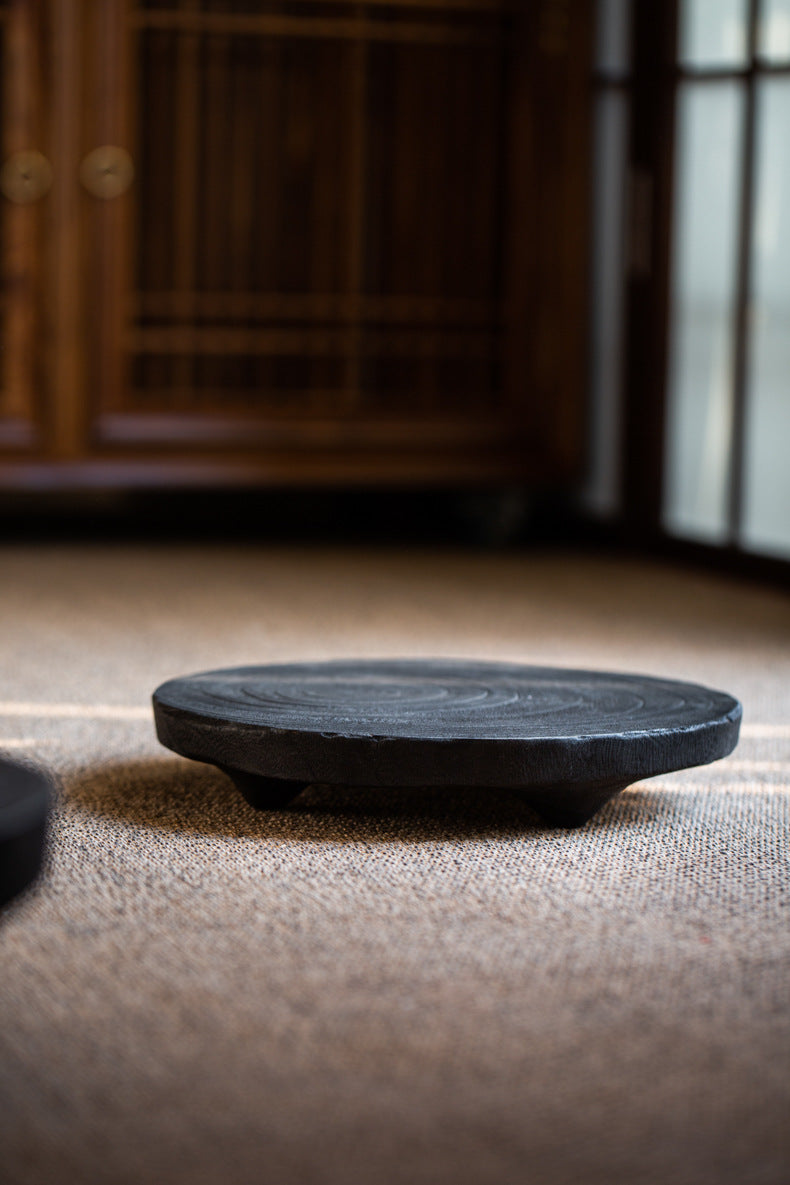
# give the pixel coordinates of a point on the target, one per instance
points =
(657, 76)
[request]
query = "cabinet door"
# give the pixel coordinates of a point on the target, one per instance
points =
(307, 276)
(24, 211)
(329, 240)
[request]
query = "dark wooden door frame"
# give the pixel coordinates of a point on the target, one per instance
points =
(651, 177)
(649, 276)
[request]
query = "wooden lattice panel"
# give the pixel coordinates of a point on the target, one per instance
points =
(316, 212)
(303, 241)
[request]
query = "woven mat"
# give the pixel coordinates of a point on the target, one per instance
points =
(417, 987)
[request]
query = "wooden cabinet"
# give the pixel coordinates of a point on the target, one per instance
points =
(295, 242)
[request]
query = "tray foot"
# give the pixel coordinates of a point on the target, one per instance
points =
(562, 806)
(264, 794)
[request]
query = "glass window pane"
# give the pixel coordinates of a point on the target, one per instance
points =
(612, 50)
(766, 525)
(713, 32)
(601, 493)
(773, 39)
(699, 412)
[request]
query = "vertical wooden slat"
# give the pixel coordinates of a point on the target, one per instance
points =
(134, 261)
(520, 273)
(545, 244)
(67, 419)
(432, 165)
(218, 228)
(215, 230)
(402, 228)
(185, 192)
(130, 66)
(355, 378)
(241, 152)
(155, 135)
(21, 224)
(243, 148)
(487, 176)
(460, 236)
(111, 221)
(567, 436)
(266, 174)
(330, 186)
(648, 292)
(406, 226)
(376, 191)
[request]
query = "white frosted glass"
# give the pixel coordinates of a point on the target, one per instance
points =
(613, 34)
(713, 32)
(773, 37)
(766, 520)
(700, 394)
(602, 489)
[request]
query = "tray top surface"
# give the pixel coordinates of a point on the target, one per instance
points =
(445, 700)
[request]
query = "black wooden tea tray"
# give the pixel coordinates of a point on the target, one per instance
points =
(24, 800)
(568, 740)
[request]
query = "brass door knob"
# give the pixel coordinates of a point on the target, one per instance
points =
(25, 177)
(107, 172)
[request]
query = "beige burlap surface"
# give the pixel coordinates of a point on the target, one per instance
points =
(412, 987)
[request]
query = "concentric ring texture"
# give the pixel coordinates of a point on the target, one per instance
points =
(446, 700)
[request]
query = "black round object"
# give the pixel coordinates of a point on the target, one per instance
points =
(568, 739)
(24, 800)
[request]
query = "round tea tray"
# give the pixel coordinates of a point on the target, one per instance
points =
(568, 740)
(24, 799)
